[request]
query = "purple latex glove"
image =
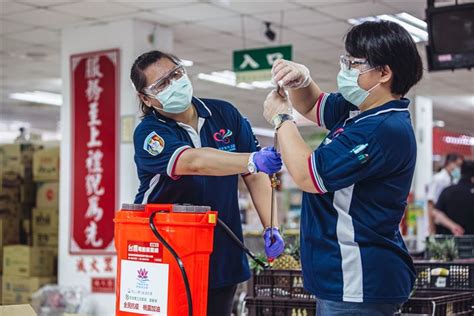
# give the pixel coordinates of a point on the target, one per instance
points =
(275, 247)
(267, 160)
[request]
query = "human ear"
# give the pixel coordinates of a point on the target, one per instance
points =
(386, 74)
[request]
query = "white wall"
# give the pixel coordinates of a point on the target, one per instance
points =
(131, 37)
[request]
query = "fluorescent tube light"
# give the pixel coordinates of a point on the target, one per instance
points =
(416, 27)
(187, 63)
(228, 78)
(38, 97)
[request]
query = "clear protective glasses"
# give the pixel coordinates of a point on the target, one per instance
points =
(161, 84)
(348, 62)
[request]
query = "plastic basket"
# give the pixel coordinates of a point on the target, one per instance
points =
(439, 303)
(460, 277)
(464, 244)
(279, 307)
(279, 284)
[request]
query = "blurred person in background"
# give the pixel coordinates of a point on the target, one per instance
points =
(356, 183)
(447, 176)
(454, 211)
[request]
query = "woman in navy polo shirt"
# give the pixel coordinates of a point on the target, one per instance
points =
(191, 150)
(357, 182)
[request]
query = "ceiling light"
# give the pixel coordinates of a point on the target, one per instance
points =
(439, 123)
(228, 78)
(38, 97)
(416, 27)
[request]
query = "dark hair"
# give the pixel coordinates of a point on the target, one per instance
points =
(138, 77)
(467, 169)
(387, 43)
(452, 157)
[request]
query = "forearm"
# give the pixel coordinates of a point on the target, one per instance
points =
(304, 99)
(259, 186)
(295, 154)
(211, 162)
(441, 218)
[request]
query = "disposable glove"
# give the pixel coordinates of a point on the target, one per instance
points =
(267, 160)
(275, 247)
(288, 74)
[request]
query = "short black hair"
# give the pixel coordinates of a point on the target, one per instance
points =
(452, 157)
(467, 169)
(138, 77)
(387, 43)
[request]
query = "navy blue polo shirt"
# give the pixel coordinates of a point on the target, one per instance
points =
(160, 141)
(352, 249)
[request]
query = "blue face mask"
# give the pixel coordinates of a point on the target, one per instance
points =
(456, 174)
(348, 86)
(177, 97)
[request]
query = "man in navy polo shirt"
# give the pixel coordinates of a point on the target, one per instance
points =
(191, 150)
(357, 182)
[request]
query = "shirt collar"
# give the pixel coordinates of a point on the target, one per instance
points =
(394, 105)
(201, 109)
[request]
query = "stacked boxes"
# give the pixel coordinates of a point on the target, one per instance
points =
(28, 220)
(25, 270)
(45, 215)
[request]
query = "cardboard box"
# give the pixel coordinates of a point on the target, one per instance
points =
(21, 260)
(45, 228)
(46, 165)
(17, 310)
(45, 220)
(18, 290)
(47, 195)
(9, 234)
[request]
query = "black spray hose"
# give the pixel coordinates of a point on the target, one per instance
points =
(241, 244)
(178, 260)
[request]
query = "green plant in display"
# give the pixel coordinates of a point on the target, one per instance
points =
(445, 250)
(255, 267)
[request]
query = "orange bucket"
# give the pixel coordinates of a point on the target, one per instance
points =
(149, 281)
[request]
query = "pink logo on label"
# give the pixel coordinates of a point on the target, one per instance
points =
(142, 275)
(223, 136)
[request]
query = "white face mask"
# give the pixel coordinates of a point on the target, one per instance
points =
(348, 86)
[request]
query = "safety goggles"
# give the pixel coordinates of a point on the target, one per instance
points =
(161, 84)
(348, 62)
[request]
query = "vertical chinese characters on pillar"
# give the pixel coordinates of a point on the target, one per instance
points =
(93, 163)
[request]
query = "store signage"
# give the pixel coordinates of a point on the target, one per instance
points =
(445, 142)
(256, 64)
(94, 143)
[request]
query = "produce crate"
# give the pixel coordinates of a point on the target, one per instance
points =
(464, 244)
(460, 277)
(439, 303)
(279, 307)
(279, 284)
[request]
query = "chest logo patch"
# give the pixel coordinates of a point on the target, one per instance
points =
(223, 136)
(154, 144)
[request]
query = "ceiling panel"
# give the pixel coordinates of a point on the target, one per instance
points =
(294, 17)
(45, 18)
(355, 10)
(326, 30)
(37, 36)
(7, 26)
(232, 24)
(8, 7)
(43, 3)
(154, 4)
(195, 12)
(251, 7)
(94, 10)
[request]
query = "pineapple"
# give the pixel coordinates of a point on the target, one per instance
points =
(286, 262)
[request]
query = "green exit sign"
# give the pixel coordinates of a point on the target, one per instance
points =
(256, 64)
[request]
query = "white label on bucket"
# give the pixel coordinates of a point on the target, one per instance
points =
(144, 287)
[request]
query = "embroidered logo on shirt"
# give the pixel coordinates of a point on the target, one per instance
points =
(357, 151)
(154, 144)
(223, 136)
